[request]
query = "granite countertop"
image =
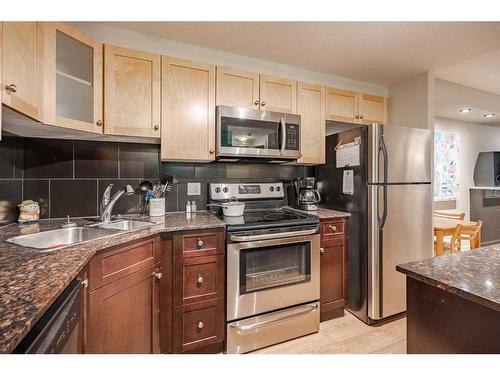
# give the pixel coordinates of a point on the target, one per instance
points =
(325, 213)
(30, 280)
(472, 274)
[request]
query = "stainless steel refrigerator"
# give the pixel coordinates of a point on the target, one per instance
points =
(387, 189)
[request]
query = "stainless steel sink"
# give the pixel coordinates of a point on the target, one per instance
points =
(57, 239)
(126, 225)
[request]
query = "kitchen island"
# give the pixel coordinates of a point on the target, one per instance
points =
(453, 303)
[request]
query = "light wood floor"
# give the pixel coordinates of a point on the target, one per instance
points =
(347, 335)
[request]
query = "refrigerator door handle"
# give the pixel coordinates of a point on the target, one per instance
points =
(383, 149)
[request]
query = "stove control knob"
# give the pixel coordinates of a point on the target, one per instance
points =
(217, 190)
(271, 188)
(225, 190)
(278, 188)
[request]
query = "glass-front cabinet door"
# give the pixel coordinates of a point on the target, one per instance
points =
(72, 79)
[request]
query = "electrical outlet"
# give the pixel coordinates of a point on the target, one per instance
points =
(194, 188)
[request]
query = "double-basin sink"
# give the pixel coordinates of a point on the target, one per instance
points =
(56, 239)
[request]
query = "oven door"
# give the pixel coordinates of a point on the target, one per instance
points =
(270, 274)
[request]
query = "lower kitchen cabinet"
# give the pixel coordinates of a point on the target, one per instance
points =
(198, 291)
(123, 314)
(334, 266)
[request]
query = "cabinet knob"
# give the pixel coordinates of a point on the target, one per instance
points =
(200, 324)
(156, 127)
(357, 116)
(263, 104)
(158, 275)
(333, 228)
(321, 250)
(211, 150)
(361, 117)
(11, 87)
(200, 243)
(99, 123)
(85, 283)
(200, 279)
(256, 102)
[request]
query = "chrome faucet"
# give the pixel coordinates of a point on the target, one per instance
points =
(108, 202)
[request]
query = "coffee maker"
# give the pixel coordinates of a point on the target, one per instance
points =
(306, 195)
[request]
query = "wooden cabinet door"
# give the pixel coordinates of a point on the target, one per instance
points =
(72, 79)
(21, 84)
(332, 280)
(124, 315)
(342, 105)
(131, 92)
(372, 109)
(188, 110)
(237, 88)
(278, 94)
(311, 107)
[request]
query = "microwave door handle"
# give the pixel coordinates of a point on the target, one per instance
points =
(282, 127)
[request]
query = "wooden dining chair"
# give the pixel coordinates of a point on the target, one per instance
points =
(465, 233)
(450, 215)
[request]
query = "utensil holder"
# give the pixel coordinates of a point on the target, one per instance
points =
(157, 207)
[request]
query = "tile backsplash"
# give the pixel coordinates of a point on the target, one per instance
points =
(68, 177)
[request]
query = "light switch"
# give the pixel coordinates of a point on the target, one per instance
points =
(194, 188)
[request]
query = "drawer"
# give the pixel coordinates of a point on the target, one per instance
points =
(198, 325)
(115, 263)
(198, 279)
(333, 228)
(199, 243)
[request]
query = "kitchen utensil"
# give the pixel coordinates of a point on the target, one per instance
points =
(232, 208)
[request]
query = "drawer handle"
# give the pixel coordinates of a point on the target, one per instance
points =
(200, 244)
(200, 324)
(333, 228)
(158, 275)
(200, 279)
(321, 250)
(85, 283)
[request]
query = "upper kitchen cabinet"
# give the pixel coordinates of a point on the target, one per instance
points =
(342, 105)
(278, 94)
(354, 107)
(188, 110)
(311, 108)
(21, 84)
(237, 88)
(72, 79)
(372, 109)
(131, 92)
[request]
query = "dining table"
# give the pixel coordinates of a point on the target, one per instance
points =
(444, 226)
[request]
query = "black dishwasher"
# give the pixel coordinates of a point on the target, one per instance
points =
(58, 329)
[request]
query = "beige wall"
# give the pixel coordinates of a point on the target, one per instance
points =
(130, 39)
(411, 102)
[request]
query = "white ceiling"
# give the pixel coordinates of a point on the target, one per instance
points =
(382, 53)
(482, 72)
(476, 115)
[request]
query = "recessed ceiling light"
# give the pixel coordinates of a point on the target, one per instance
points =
(489, 115)
(465, 110)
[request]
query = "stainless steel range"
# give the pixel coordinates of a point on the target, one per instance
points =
(273, 262)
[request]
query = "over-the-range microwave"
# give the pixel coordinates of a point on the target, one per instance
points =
(248, 133)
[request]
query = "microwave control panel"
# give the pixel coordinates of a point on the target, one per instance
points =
(292, 137)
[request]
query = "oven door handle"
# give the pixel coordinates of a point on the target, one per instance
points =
(307, 309)
(271, 236)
